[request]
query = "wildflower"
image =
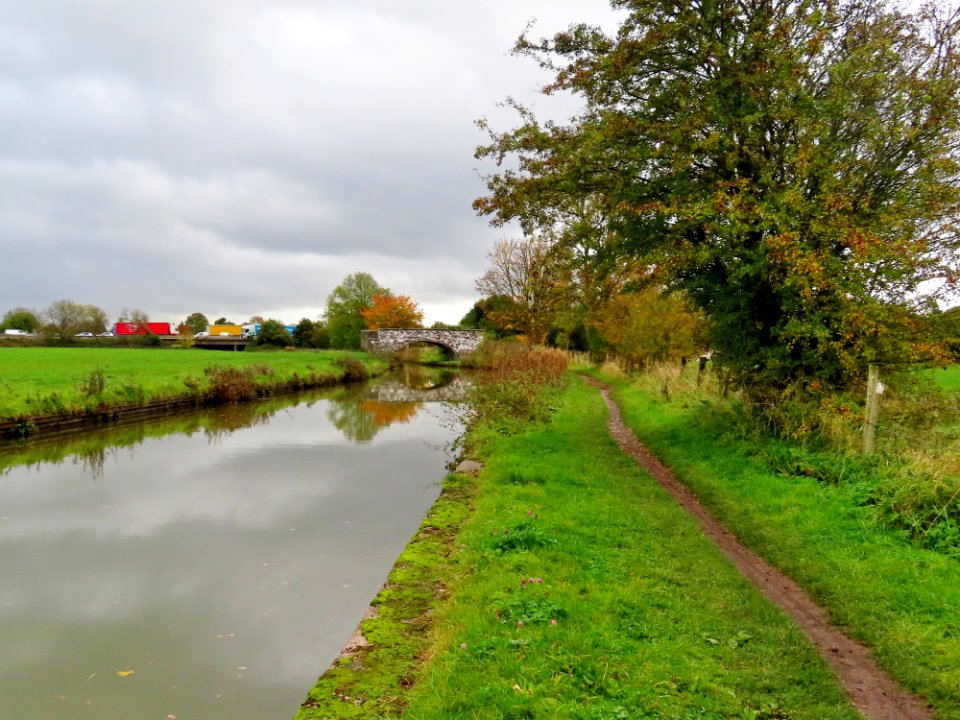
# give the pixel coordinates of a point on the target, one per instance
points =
(519, 623)
(463, 645)
(539, 580)
(553, 621)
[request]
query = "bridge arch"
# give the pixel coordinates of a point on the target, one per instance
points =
(459, 343)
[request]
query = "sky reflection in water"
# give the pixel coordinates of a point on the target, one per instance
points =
(224, 568)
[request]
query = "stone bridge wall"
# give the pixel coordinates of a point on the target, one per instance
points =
(392, 391)
(459, 342)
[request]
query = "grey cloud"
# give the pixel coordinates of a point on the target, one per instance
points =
(242, 157)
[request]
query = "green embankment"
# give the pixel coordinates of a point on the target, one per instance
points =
(898, 597)
(36, 381)
(578, 589)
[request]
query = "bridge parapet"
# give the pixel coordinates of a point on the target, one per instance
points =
(390, 340)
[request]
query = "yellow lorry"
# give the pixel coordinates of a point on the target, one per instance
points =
(221, 330)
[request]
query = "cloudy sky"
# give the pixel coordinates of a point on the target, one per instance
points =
(240, 157)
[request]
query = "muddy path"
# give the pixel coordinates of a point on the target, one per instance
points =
(871, 690)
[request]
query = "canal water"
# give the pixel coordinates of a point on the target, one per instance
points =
(211, 565)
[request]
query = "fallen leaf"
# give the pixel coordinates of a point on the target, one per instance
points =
(125, 673)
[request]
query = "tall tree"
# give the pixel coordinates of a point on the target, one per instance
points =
(66, 318)
(197, 322)
(392, 311)
(133, 315)
(343, 319)
(793, 166)
(95, 320)
(528, 273)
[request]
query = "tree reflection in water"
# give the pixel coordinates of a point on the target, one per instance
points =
(360, 420)
(351, 410)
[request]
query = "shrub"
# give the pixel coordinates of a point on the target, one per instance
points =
(353, 369)
(93, 383)
(516, 383)
(273, 333)
(230, 384)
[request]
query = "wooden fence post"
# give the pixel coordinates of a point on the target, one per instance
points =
(874, 390)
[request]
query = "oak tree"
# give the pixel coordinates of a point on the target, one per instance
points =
(792, 166)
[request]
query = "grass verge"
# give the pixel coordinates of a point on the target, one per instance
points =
(823, 530)
(38, 381)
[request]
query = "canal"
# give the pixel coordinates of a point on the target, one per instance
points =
(207, 565)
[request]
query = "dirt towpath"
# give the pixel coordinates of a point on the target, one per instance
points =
(872, 691)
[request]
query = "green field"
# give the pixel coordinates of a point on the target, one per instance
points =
(37, 381)
(947, 378)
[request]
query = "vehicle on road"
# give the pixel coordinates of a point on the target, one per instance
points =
(219, 330)
(84, 334)
(106, 334)
(147, 328)
(16, 332)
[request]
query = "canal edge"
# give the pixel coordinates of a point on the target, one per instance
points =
(381, 660)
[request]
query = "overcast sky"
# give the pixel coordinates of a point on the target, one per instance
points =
(241, 157)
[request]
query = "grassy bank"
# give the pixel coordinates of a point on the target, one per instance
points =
(823, 517)
(37, 381)
(580, 590)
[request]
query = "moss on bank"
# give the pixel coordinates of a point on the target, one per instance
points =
(380, 663)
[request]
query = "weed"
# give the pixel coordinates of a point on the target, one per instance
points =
(530, 604)
(261, 369)
(93, 383)
(230, 384)
(353, 370)
(526, 535)
(22, 427)
(517, 384)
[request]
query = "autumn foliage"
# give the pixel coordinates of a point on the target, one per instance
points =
(792, 167)
(392, 311)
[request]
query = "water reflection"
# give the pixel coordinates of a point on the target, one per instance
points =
(222, 556)
(359, 411)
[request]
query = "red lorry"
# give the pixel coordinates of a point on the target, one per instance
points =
(153, 328)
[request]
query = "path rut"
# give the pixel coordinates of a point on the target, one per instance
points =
(871, 690)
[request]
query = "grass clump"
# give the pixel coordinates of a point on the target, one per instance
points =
(231, 384)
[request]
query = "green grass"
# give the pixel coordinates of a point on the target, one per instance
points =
(581, 590)
(42, 380)
(947, 378)
(827, 533)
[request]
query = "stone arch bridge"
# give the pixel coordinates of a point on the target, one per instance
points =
(457, 342)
